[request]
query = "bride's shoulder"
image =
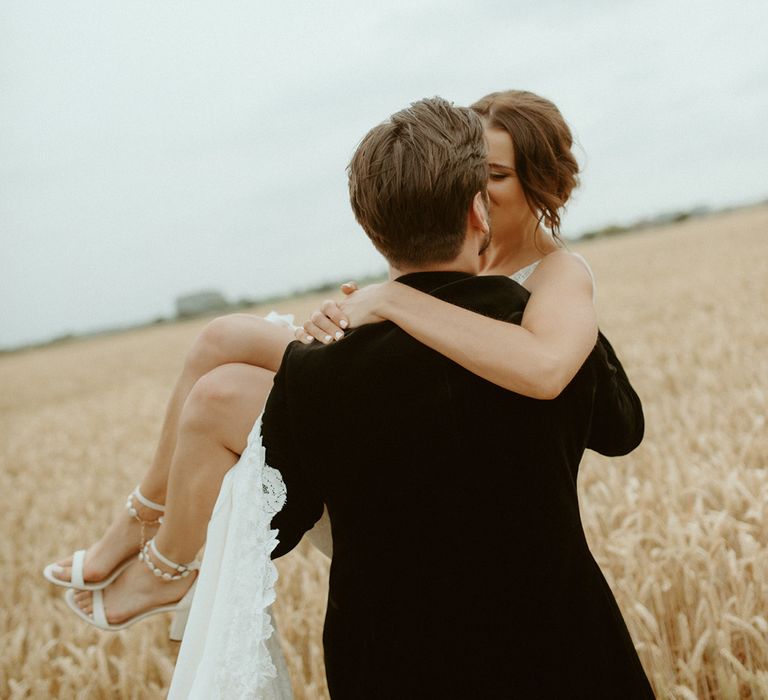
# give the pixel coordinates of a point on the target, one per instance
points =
(564, 259)
(564, 266)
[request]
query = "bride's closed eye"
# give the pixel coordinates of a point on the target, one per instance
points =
(499, 171)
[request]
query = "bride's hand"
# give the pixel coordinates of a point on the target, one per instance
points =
(325, 325)
(358, 308)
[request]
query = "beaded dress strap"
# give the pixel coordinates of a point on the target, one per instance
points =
(525, 272)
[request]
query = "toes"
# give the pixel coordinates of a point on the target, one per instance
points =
(85, 603)
(81, 596)
(65, 562)
(64, 573)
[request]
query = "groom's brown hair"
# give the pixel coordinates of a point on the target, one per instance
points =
(412, 180)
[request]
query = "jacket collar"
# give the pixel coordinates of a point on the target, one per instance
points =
(432, 281)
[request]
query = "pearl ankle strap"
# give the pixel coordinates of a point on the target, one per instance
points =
(183, 570)
(141, 498)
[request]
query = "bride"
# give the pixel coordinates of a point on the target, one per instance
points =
(228, 374)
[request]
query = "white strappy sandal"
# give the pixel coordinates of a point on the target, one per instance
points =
(77, 579)
(181, 609)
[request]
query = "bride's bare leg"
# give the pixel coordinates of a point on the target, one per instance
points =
(213, 434)
(237, 338)
(214, 426)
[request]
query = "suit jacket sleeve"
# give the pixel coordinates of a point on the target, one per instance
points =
(617, 421)
(303, 505)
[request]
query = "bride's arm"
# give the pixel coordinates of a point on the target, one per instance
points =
(537, 359)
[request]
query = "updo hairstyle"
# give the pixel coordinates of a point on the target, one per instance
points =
(542, 141)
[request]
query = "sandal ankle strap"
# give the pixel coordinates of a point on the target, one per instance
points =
(183, 570)
(141, 498)
(131, 508)
(134, 513)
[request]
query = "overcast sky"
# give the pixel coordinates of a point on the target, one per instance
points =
(149, 149)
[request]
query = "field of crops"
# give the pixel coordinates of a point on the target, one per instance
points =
(679, 527)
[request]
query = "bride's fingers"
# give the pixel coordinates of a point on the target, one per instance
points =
(314, 332)
(349, 287)
(303, 336)
(322, 328)
(332, 311)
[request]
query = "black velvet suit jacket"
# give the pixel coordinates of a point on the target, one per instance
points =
(460, 567)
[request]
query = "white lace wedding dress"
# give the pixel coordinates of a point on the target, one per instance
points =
(230, 649)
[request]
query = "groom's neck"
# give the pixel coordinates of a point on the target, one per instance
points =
(454, 266)
(467, 261)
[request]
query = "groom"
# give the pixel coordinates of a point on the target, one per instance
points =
(460, 567)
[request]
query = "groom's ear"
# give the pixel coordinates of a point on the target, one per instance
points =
(478, 213)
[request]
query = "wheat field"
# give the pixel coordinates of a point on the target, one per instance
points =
(679, 527)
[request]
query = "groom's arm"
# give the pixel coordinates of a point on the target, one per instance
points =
(303, 507)
(617, 421)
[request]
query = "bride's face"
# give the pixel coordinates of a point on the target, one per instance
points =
(509, 210)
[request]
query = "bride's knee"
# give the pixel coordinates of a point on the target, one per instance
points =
(213, 345)
(212, 401)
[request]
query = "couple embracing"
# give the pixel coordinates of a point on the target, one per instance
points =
(460, 406)
(460, 567)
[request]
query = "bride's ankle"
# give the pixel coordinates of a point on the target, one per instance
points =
(143, 509)
(149, 514)
(141, 514)
(163, 567)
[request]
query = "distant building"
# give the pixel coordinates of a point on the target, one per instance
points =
(198, 303)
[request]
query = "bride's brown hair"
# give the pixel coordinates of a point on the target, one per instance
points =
(546, 167)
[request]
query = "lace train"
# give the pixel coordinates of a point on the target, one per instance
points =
(230, 648)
